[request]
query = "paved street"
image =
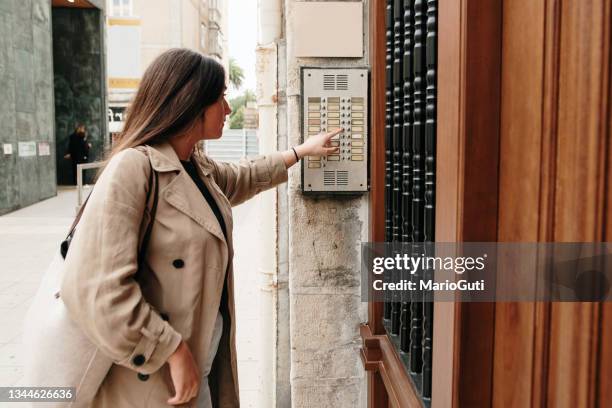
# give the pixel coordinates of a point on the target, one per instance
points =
(28, 241)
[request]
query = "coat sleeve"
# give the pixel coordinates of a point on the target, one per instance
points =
(241, 181)
(98, 285)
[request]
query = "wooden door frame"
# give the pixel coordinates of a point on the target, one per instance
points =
(468, 115)
(469, 98)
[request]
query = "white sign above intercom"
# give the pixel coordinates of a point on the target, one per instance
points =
(327, 29)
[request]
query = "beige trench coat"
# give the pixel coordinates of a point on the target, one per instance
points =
(139, 325)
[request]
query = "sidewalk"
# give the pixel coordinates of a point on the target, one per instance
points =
(28, 240)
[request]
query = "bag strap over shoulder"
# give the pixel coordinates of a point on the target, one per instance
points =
(153, 181)
(78, 216)
(153, 185)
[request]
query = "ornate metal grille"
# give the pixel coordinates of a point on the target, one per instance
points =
(410, 152)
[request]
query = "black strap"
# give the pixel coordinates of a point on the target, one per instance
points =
(153, 184)
(147, 236)
(78, 216)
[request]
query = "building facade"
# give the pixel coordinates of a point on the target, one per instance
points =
(140, 30)
(489, 122)
(52, 77)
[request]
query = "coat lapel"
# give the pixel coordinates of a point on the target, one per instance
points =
(182, 193)
(220, 199)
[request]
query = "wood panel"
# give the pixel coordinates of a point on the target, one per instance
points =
(580, 192)
(521, 150)
(604, 391)
(555, 87)
(377, 120)
(604, 384)
(480, 191)
(377, 394)
(377, 139)
(448, 188)
(379, 357)
(550, 94)
(466, 207)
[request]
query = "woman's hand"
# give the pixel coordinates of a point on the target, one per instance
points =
(185, 375)
(318, 145)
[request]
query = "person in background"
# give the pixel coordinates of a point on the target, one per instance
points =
(78, 149)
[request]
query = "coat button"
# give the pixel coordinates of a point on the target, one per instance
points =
(178, 263)
(164, 316)
(143, 377)
(139, 360)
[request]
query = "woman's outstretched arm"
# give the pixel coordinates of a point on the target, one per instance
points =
(314, 146)
(241, 181)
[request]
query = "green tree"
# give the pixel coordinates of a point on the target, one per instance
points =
(237, 119)
(236, 74)
(238, 104)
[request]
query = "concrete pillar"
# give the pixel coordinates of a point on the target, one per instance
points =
(269, 19)
(283, 344)
(324, 260)
(266, 90)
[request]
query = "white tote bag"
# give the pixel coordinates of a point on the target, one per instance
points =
(58, 353)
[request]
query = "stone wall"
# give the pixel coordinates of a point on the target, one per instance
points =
(26, 104)
(78, 62)
(325, 234)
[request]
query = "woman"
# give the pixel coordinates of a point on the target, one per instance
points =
(78, 149)
(172, 333)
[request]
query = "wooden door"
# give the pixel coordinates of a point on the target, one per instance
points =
(533, 79)
(554, 181)
(523, 154)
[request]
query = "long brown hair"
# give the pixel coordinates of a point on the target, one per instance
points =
(173, 93)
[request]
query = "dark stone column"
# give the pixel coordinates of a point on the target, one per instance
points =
(26, 104)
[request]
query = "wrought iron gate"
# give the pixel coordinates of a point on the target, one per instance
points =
(410, 152)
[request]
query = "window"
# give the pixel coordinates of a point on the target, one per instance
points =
(203, 36)
(220, 44)
(215, 43)
(214, 12)
(120, 8)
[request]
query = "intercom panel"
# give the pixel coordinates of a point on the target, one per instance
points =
(336, 98)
